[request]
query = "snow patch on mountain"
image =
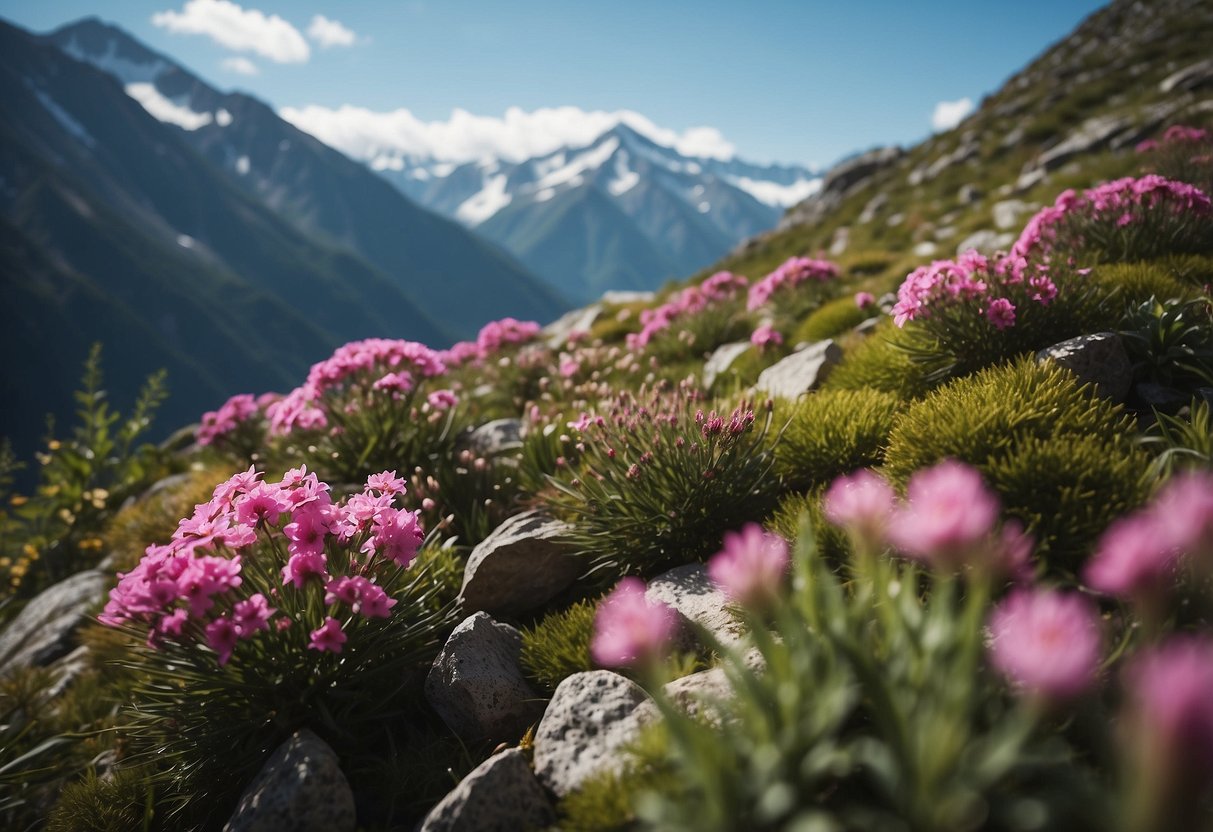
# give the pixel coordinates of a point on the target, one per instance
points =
(488, 201)
(168, 110)
(774, 193)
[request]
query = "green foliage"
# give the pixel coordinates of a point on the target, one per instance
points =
(55, 531)
(1136, 283)
(1016, 424)
(831, 319)
(893, 724)
(558, 645)
(1182, 441)
(788, 516)
(121, 802)
(880, 362)
(1171, 343)
(471, 495)
(834, 432)
(1067, 489)
(658, 481)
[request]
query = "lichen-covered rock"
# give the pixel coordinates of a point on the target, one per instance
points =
(721, 360)
(522, 565)
(800, 372)
(500, 795)
(493, 438)
(42, 632)
(690, 592)
(591, 716)
(299, 789)
(475, 684)
(1099, 359)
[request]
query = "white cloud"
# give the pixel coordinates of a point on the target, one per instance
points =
(240, 66)
(329, 33)
(948, 114)
(237, 28)
(464, 137)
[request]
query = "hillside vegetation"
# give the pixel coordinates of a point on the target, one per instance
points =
(879, 536)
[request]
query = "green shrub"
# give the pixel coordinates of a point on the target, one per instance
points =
(659, 480)
(558, 645)
(834, 432)
(1017, 423)
(880, 362)
(1171, 343)
(794, 509)
(121, 802)
(1067, 489)
(831, 319)
(1182, 441)
(1193, 269)
(1135, 283)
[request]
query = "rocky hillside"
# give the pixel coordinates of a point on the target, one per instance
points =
(1124, 72)
(783, 553)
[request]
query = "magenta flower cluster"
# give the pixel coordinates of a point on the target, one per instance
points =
(791, 273)
(949, 520)
(1177, 134)
(356, 372)
(1047, 642)
(972, 279)
(720, 287)
(751, 566)
(193, 589)
(237, 410)
(1120, 203)
(492, 338)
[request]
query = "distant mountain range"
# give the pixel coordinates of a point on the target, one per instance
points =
(225, 245)
(624, 212)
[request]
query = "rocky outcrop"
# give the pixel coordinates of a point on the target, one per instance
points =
(840, 182)
(500, 795)
(42, 632)
(300, 788)
(691, 594)
(1098, 359)
(800, 372)
(522, 565)
(475, 684)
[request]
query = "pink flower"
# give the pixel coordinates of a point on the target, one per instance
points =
(765, 335)
(863, 503)
(397, 536)
(1135, 558)
(306, 531)
(252, 614)
(221, 637)
(301, 567)
(1001, 313)
(386, 483)
(401, 382)
(751, 565)
(628, 629)
(373, 602)
(1170, 687)
(949, 513)
(343, 590)
(1184, 510)
(329, 636)
(569, 368)
(1046, 642)
(442, 399)
(864, 299)
(260, 504)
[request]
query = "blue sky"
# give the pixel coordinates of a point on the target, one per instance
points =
(800, 82)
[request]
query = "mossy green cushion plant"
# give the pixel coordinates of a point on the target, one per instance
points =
(881, 362)
(832, 319)
(834, 432)
(558, 645)
(1018, 423)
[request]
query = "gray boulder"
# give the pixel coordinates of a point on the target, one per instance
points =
(576, 320)
(500, 795)
(590, 718)
(522, 565)
(493, 438)
(475, 684)
(299, 789)
(800, 372)
(1192, 77)
(1099, 359)
(985, 241)
(42, 632)
(690, 592)
(722, 359)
